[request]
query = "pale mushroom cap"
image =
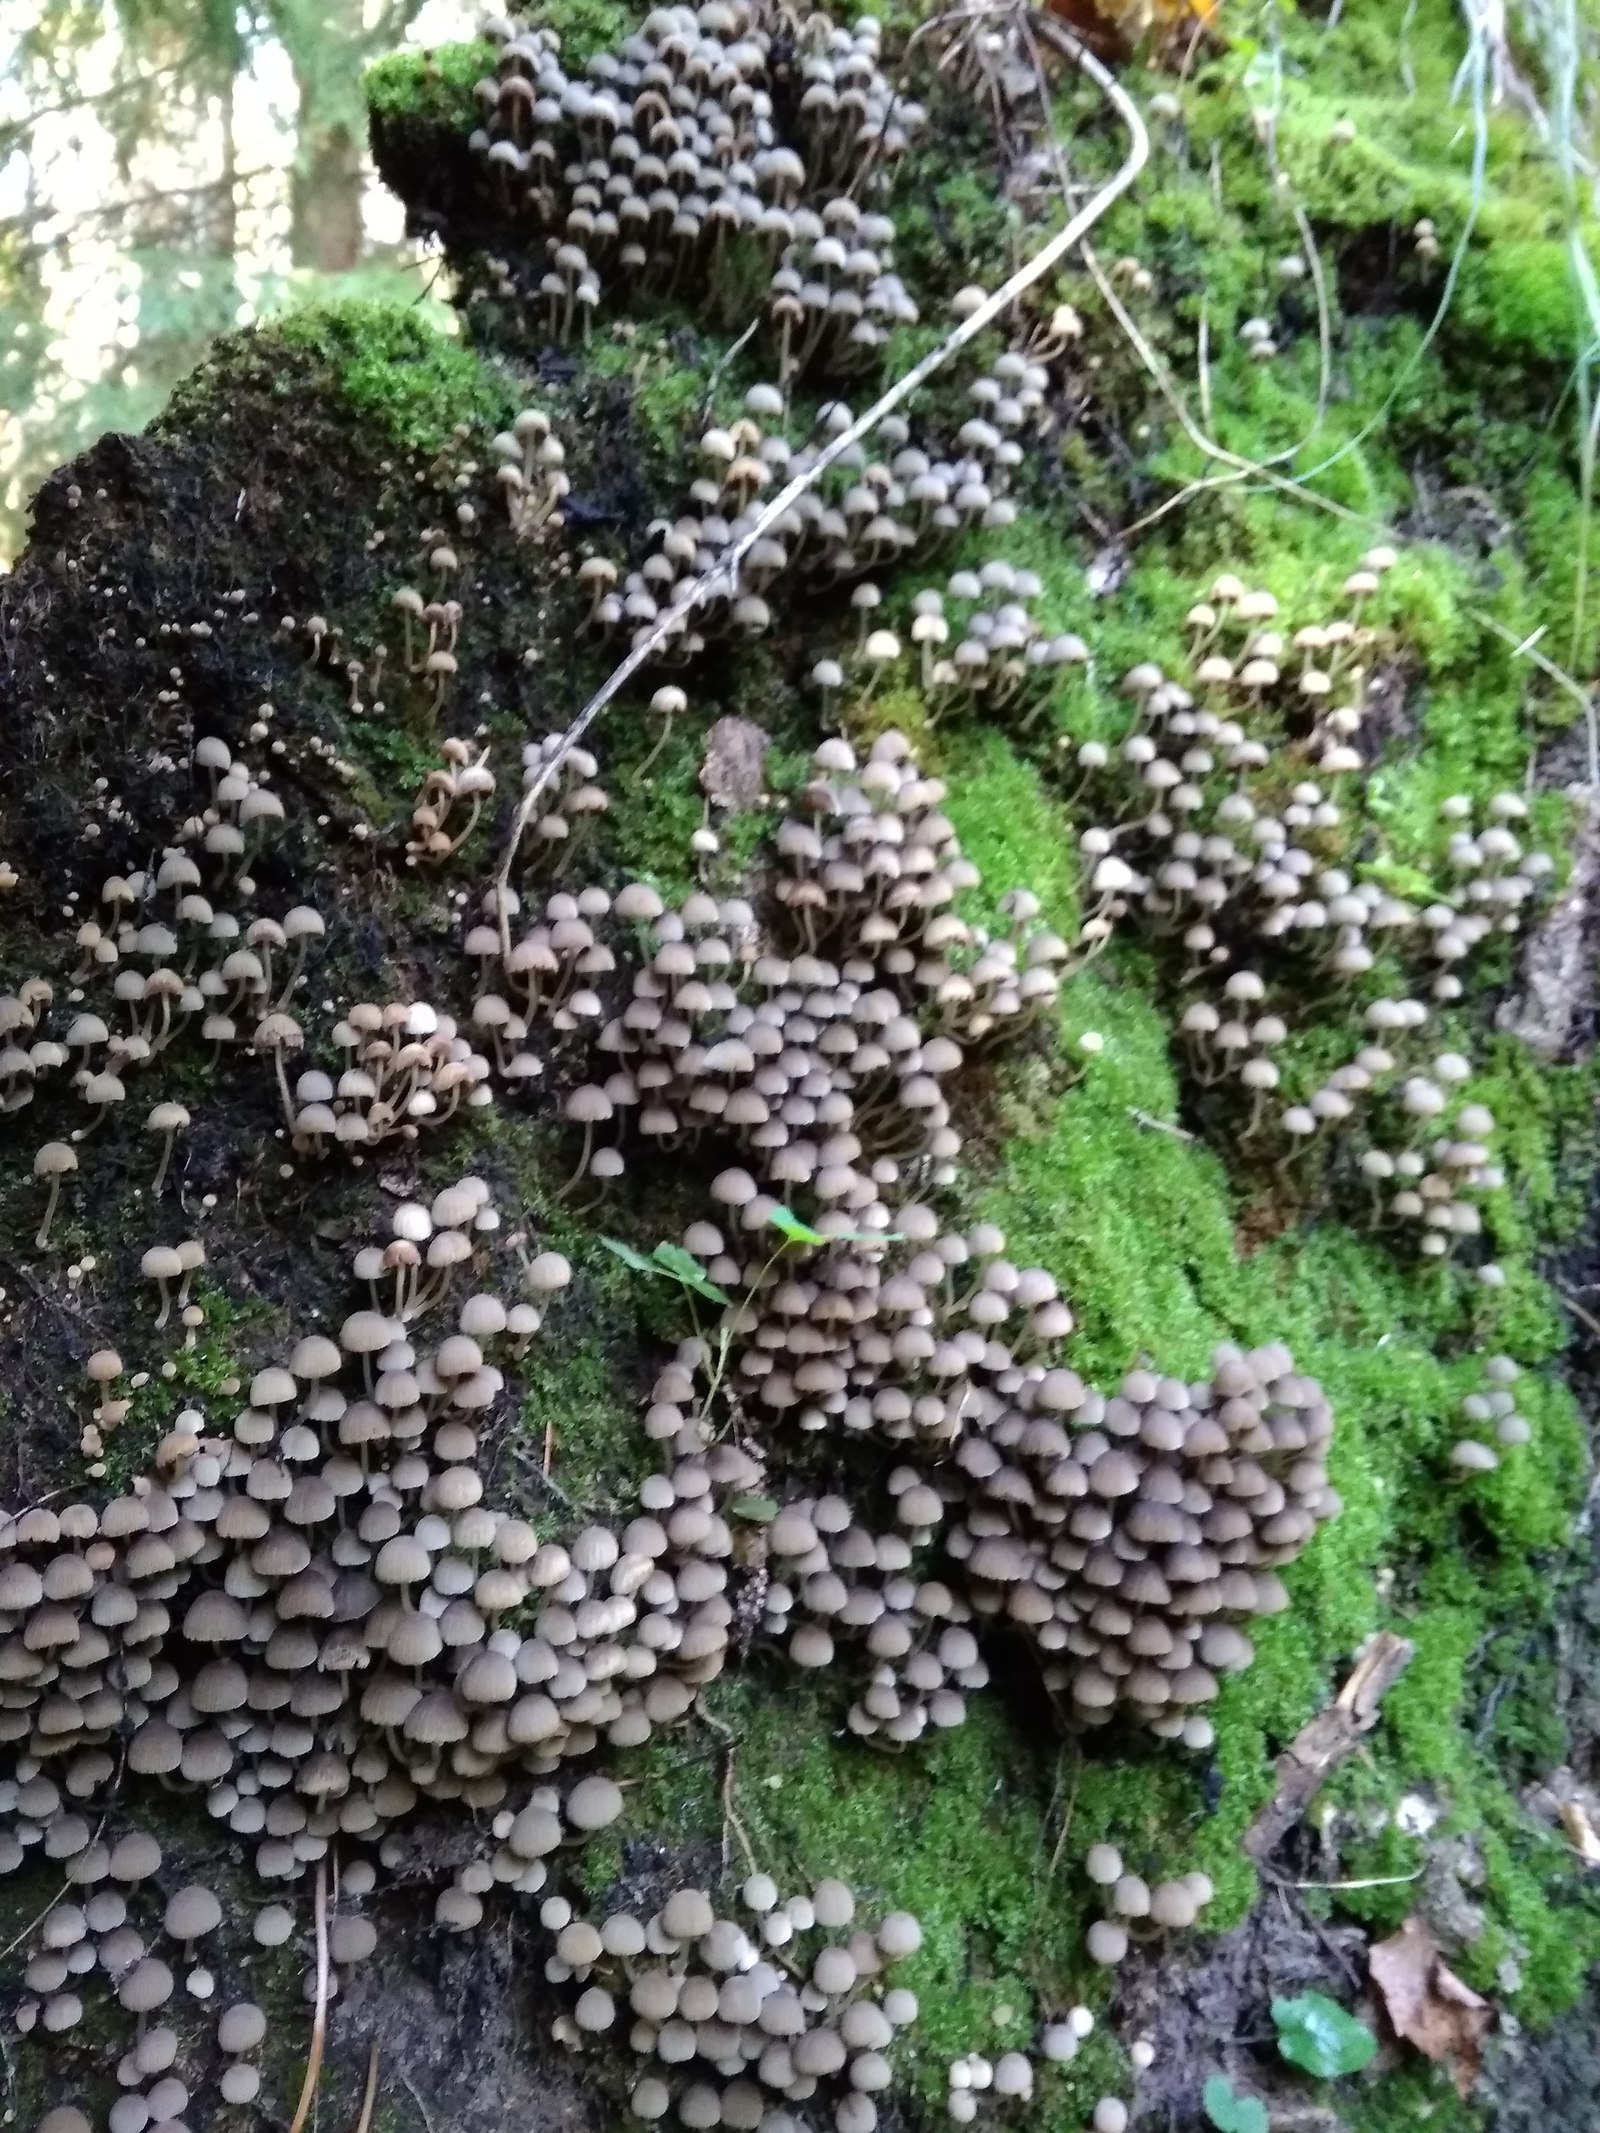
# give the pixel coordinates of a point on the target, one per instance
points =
(191, 1912)
(593, 1803)
(241, 2027)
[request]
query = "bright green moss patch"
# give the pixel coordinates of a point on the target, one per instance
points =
(429, 88)
(584, 26)
(410, 382)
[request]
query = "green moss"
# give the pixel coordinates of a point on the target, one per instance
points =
(429, 88)
(410, 382)
(584, 26)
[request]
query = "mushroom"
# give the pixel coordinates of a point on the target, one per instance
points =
(168, 1120)
(55, 1160)
(161, 1264)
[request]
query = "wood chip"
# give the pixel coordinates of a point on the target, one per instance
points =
(733, 773)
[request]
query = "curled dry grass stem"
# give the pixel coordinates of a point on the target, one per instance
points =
(319, 2018)
(723, 581)
(369, 2095)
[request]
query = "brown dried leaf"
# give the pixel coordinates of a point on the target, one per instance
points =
(1427, 2003)
(732, 774)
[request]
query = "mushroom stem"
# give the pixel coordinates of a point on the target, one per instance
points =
(583, 1160)
(166, 1157)
(292, 974)
(43, 1238)
(661, 742)
(166, 1301)
(283, 1087)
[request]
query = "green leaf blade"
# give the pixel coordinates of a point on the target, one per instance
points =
(628, 1256)
(1230, 2113)
(1318, 2036)
(785, 1220)
(682, 1266)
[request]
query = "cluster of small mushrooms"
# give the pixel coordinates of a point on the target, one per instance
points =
(863, 514)
(1496, 1406)
(172, 953)
(815, 1050)
(1199, 848)
(662, 168)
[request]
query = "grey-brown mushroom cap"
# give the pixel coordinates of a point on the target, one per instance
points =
(593, 1803)
(147, 1986)
(241, 2027)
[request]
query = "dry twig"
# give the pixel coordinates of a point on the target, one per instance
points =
(1319, 1747)
(319, 2019)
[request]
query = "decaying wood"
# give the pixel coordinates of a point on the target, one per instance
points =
(1319, 1747)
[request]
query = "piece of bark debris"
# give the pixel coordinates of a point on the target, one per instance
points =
(1428, 2004)
(733, 773)
(1552, 1007)
(1320, 1746)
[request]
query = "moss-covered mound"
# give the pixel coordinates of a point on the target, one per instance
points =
(1325, 350)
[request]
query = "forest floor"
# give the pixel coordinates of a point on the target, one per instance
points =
(1420, 396)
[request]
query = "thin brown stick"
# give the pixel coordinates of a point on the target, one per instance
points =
(723, 581)
(369, 2098)
(1320, 1746)
(1066, 1822)
(319, 2019)
(1584, 1317)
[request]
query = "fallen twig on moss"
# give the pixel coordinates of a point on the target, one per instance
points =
(1320, 1746)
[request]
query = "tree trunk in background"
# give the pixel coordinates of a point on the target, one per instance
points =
(325, 196)
(327, 53)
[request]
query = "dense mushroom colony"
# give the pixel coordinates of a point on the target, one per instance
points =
(863, 515)
(1122, 1537)
(661, 171)
(729, 2021)
(173, 952)
(819, 1048)
(1199, 847)
(310, 1610)
(405, 1067)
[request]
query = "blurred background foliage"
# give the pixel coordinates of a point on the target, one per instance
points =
(170, 169)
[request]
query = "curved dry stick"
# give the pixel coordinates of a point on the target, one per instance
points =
(369, 2096)
(319, 2019)
(723, 581)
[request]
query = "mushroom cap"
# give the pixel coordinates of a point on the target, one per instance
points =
(1172, 1904)
(548, 1272)
(134, 1857)
(1106, 1941)
(54, 1159)
(241, 2027)
(1103, 1864)
(593, 1803)
(192, 1911)
(899, 1935)
(352, 1938)
(315, 1357)
(147, 1986)
(687, 1914)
